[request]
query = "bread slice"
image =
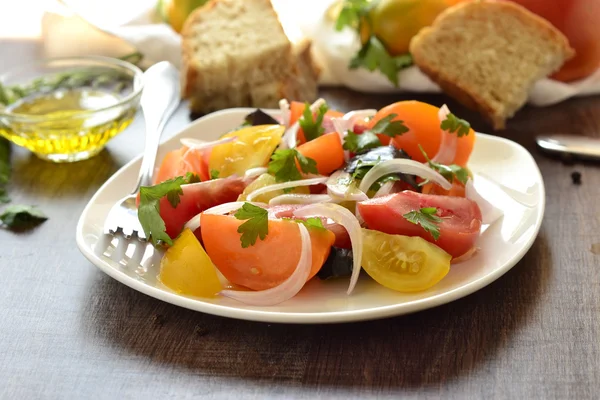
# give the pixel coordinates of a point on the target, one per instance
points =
(235, 54)
(488, 54)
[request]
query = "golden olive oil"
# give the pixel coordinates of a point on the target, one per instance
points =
(65, 124)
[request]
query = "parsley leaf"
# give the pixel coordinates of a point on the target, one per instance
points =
(359, 143)
(427, 218)
(214, 174)
(312, 222)
(283, 165)
(386, 126)
(368, 139)
(192, 178)
(351, 13)
(21, 217)
(453, 124)
(312, 127)
(373, 55)
(450, 172)
(149, 208)
(257, 224)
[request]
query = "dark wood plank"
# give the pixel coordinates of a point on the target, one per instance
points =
(70, 331)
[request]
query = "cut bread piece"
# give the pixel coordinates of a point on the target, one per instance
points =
(488, 55)
(235, 54)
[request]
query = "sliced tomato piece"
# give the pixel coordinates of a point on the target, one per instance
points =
(342, 239)
(198, 197)
(181, 161)
(326, 150)
(424, 129)
(296, 111)
(270, 261)
(457, 189)
(459, 229)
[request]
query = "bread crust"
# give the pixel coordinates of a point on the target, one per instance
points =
(461, 90)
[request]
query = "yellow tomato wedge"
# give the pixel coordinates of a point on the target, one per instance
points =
(252, 148)
(187, 269)
(267, 180)
(403, 263)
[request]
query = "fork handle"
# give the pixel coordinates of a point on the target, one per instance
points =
(160, 99)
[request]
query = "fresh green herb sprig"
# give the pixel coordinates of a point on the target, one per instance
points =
(450, 172)
(20, 217)
(149, 208)
(368, 140)
(285, 169)
(256, 225)
(92, 76)
(427, 218)
(453, 124)
(312, 126)
(374, 56)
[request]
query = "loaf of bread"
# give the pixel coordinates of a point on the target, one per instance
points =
(236, 54)
(488, 54)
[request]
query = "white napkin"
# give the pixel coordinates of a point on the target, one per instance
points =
(94, 28)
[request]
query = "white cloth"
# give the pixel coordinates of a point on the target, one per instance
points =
(94, 28)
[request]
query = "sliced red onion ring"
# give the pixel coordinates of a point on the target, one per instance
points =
(467, 256)
(447, 151)
(284, 106)
(385, 189)
(288, 288)
(197, 144)
(340, 185)
(255, 172)
(402, 166)
(300, 199)
(290, 137)
(194, 222)
(345, 218)
(489, 213)
(286, 185)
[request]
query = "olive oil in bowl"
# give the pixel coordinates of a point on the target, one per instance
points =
(71, 116)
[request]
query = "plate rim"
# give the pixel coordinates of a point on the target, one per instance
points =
(329, 317)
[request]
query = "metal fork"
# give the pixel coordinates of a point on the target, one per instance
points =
(160, 98)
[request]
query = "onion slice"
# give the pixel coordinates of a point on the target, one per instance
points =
(340, 185)
(402, 166)
(300, 199)
(385, 189)
(489, 213)
(288, 288)
(284, 106)
(255, 172)
(196, 144)
(285, 185)
(290, 137)
(358, 115)
(345, 218)
(447, 151)
(194, 222)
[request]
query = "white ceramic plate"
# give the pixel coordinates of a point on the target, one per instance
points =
(505, 173)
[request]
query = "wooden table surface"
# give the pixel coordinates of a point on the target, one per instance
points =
(68, 330)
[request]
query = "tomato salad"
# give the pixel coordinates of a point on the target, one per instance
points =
(256, 214)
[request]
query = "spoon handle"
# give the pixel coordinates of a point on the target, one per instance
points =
(160, 99)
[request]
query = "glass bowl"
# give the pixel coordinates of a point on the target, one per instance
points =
(67, 109)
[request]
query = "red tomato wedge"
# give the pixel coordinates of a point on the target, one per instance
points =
(198, 197)
(424, 129)
(181, 161)
(342, 239)
(459, 229)
(270, 261)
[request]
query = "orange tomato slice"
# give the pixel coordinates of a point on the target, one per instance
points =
(269, 262)
(424, 129)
